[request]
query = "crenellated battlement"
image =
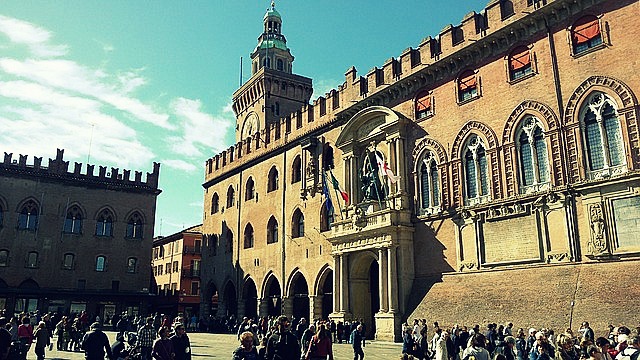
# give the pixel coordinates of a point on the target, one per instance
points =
(432, 60)
(58, 168)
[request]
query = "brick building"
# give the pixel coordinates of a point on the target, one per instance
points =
(492, 174)
(72, 240)
(176, 268)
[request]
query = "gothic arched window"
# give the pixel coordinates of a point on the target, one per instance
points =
(73, 221)
(272, 231)
(28, 217)
(327, 217)
(272, 184)
(231, 197)
(248, 237)
(476, 171)
(602, 133)
(215, 203)
(250, 190)
(296, 170)
(298, 224)
(104, 223)
(532, 153)
(134, 226)
(429, 184)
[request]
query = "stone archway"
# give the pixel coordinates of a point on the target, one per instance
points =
(212, 299)
(364, 290)
(324, 294)
(273, 297)
(300, 297)
(229, 300)
(250, 297)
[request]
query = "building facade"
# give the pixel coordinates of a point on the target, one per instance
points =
(72, 240)
(488, 174)
(176, 267)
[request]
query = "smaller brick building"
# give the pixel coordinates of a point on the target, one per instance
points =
(72, 240)
(176, 266)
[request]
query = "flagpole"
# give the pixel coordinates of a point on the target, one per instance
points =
(337, 197)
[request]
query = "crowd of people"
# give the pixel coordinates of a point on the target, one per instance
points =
(500, 342)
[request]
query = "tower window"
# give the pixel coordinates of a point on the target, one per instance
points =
(296, 171)
(248, 237)
(280, 67)
(134, 226)
(298, 224)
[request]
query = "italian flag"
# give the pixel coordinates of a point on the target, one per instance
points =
(337, 187)
(385, 169)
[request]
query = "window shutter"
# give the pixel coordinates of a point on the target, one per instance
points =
(520, 59)
(585, 30)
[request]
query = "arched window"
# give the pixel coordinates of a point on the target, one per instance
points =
(68, 261)
(248, 237)
(132, 265)
(585, 34)
(429, 184)
(231, 197)
(423, 105)
(602, 133)
(298, 224)
(532, 154)
(506, 9)
(4, 257)
(280, 64)
(520, 63)
(250, 191)
(215, 203)
(73, 221)
(161, 251)
(101, 263)
(467, 86)
(32, 259)
(272, 184)
(104, 223)
(28, 217)
(272, 231)
(327, 157)
(327, 217)
(134, 226)
(296, 170)
(228, 248)
(476, 171)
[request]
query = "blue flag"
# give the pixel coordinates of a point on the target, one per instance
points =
(325, 192)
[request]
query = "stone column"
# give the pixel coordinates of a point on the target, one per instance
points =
(351, 178)
(263, 306)
(382, 283)
(344, 284)
(392, 279)
(337, 285)
(287, 306)
(315, 307)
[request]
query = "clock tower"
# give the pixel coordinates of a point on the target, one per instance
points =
(273, 91)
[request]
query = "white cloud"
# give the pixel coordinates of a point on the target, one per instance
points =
(323, 86)
(180, 165)
(200, 130)
(36, 38)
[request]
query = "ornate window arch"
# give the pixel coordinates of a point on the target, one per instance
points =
(231, 197)
(476, 171)
(429, 184)
(297, 227)
(533, 160)
(215, 203)
(272, 230)
(248, 236)
(73, 220)
(272, 183)
(135, 224)
(104, 223)
(602, 136)
(28, 215)
(250, 189)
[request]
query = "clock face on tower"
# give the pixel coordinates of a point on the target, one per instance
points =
(250, 126)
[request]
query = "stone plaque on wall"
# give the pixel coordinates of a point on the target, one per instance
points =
(627, 221)
(509, 240)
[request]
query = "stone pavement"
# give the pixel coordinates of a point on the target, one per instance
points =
(220, 346)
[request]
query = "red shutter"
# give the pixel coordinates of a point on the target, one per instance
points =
(585, 30)
(423, 103)
(520, 60)
(468, 82)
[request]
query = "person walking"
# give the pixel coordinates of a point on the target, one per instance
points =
(356, 342)
(181, 343)
(247, 350)
(146, 335)
(320, 346)
(282, 345)
(42, 339)
(95, 343)
(163, 346)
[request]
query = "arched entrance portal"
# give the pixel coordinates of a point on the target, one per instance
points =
(250, 297)
(274, 297)
(230, 300)
(212, 299)
(325, 293)
(300, 297)
(365, 298)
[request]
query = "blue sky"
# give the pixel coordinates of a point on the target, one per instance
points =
(125, 83)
